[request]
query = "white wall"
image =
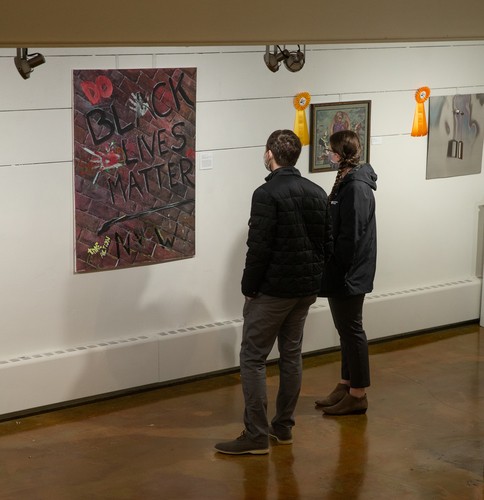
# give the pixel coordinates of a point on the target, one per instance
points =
(427, 229)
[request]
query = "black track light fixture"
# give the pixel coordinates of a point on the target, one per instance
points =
(293, 60)
(25, 62)
(273, 60)
(296, 59)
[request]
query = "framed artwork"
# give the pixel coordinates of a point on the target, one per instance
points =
(134, 167)
(326, 119)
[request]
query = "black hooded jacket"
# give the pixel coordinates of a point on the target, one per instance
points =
(351, 269)
(288, 234)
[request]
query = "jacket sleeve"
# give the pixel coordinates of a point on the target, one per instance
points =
(354, 211)
(262, 228)
(328, 236)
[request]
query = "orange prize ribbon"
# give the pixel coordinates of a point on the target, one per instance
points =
(419, 126)
(301, 102)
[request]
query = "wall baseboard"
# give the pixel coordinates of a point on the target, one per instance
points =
(33, 381)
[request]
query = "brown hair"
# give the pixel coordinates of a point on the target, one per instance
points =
(285, 146)
(347, 144)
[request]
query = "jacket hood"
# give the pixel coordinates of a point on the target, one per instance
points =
(363, 173)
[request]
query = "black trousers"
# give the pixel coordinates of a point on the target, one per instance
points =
(347, 315)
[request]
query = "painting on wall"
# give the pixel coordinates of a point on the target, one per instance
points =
(326, 119)
(134, 167)
(455, 135)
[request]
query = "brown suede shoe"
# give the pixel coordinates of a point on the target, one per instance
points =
(334, 397)
(349, 405)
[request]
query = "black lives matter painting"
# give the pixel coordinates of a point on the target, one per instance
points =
(134, 167)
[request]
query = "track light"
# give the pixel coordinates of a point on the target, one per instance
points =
(273, 61)
(293, 61)
(25, 62)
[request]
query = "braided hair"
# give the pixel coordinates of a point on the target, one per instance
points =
(346, 144)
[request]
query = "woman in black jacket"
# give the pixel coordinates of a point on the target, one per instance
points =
(349, 273)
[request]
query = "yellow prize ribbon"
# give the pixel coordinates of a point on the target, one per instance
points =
(301, 102)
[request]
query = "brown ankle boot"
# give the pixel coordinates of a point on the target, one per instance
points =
(349, 405)
(334, 397)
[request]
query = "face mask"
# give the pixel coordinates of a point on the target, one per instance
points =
(333, 164)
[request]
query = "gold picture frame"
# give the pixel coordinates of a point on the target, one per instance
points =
(328, 118)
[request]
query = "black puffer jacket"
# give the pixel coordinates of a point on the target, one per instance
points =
(288, 231)
(351, 269)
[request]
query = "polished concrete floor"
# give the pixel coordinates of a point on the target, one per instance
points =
(422, 437)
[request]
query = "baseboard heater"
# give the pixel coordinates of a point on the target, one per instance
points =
(38, 380)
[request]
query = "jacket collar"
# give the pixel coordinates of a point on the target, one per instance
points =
(283, 171)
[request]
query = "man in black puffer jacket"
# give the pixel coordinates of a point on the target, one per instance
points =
(289, 237)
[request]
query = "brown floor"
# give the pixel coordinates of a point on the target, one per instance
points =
(422, 438)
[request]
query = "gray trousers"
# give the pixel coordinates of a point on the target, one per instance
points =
(266, 319)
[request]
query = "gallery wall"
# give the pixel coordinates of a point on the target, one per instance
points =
(427, 229)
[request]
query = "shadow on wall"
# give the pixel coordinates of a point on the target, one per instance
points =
(232, 296)
(104, 305)
(103, 325)
(116, 353)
